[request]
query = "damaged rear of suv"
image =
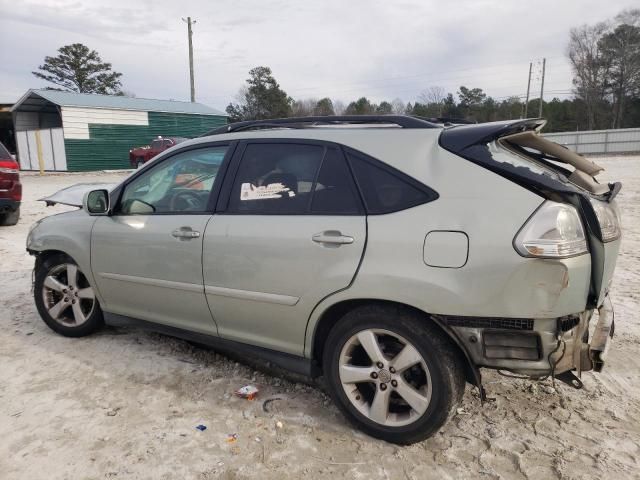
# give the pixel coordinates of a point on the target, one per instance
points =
(575, 234)
(389, 255)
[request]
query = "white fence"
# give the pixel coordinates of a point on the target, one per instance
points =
(623, 140)
(41, 149)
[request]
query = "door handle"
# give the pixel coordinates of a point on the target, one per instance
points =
(332, 237)
(185, 233)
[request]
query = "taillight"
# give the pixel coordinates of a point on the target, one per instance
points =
(9, 166)
(16, 191)
(608, 219)
(553, 231)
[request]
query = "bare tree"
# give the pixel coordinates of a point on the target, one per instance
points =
(304, 108)
(339, 107)
(589, 68)
(398, 107)
(433, 97)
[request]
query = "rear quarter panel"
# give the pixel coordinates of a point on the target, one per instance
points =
(495, 281)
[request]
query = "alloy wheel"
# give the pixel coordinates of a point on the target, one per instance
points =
(385, 377)
(67, 295)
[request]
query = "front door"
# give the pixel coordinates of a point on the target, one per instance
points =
(147, 256)
(292, 231)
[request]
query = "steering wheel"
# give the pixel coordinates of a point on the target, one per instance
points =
(186, 200)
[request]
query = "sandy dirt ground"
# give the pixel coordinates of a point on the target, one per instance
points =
(125, 403)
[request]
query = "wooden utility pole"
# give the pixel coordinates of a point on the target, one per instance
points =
(526, 103)
(544, 62)
(190, 33)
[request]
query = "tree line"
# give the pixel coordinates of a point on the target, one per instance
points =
(605, 60)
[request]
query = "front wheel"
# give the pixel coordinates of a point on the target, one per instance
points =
(65, 300)
(140, 163)
(396, 376)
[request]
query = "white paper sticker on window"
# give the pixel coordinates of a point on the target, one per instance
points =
(249, 191)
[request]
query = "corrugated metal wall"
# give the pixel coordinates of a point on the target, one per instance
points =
(76, 120)
(108, 145)
(623, 140)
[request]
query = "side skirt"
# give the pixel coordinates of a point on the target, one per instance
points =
(286, 361)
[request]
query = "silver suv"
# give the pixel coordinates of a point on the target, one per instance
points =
(392, 256)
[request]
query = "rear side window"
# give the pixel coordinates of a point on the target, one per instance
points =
(294, 179)
(334, 191)
(385, 189)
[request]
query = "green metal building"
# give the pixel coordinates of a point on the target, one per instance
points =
(66, 131)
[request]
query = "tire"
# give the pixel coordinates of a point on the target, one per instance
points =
(10, 218)
(437, 377)
(68, 309)
(139, 163)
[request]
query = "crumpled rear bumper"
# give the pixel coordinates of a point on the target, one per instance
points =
(578, 352)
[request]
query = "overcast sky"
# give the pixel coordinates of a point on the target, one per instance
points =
(337, 48)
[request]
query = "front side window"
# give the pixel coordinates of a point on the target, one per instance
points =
(156, 144)
(179, 184)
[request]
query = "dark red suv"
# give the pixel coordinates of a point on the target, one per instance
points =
(10, 188)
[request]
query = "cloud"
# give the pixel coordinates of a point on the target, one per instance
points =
(337, 48)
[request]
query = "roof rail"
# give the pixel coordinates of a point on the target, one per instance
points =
(403, 121)
(448, 121)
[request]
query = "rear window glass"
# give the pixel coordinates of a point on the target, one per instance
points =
(384, 189)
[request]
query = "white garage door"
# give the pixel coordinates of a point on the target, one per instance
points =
(46, 145)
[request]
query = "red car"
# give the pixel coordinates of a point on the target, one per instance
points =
(138, 156)
(10, 188)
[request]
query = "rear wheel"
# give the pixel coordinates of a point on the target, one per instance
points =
(65, 300)
(10, 218)
(392, 373)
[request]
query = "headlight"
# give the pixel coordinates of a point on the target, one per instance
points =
(608, 220)
(553, 231)
(31, 229)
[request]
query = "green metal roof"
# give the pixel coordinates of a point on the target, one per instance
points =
(92, 100)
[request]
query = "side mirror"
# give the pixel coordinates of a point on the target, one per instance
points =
(96, 202)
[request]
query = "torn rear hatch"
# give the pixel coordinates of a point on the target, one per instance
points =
(74, 194)
(515, 150)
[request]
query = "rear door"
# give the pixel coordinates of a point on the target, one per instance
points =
(147, 256)
(291, 231)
